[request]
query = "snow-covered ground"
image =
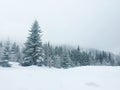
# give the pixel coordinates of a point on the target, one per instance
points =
(42, 78)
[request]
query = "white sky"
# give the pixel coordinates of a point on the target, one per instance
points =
(89, 23)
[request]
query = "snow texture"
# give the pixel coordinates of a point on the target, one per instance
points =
(42, 78)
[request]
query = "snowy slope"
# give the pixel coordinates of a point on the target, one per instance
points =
(41, 78)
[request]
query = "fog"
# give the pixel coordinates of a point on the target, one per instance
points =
(88, 23)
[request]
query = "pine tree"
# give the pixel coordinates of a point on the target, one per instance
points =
(18, 54)
(13, 52)
(33, 51)
(110, 59)
(66, 61)
(1, 50)
(1, 44)
(48, 51)
(75, 56)
(6, 55)
(57, 61)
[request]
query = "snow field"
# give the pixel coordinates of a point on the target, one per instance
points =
(42, 78)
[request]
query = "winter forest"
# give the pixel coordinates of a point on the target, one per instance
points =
(37, 53)
(59, 45)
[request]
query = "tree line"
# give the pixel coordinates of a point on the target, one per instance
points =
(35, 52)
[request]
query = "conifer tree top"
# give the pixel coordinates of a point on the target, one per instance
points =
(35, 26)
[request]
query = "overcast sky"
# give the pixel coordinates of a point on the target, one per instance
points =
(89, 23)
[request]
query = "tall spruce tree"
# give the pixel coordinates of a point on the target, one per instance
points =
(33, 51)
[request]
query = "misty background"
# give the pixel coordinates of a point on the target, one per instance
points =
(88, 23)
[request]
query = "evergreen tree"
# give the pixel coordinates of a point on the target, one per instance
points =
(84, 59)
(66, 61)
(6, 55)
(111, 59)
(78, 56)
(18, 54)
(75, 56)
(50, 62)
(1, 50)
(48, 51)
(33, 51)
(57, 61)
(13, 52)
(1, 44)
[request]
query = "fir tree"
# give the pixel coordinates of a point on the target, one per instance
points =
(13, 52)
(6, 55)
(48, 51)
(57, 61)
(33, 51)
(66, 61)
(18, 54)
(1, 44)
(1, 50)
(75, 56)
